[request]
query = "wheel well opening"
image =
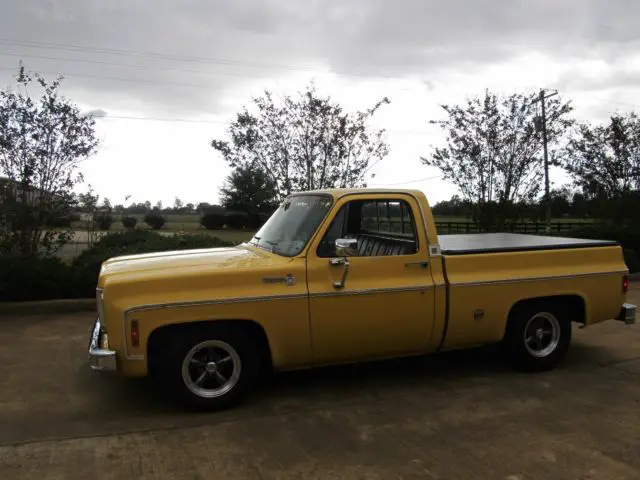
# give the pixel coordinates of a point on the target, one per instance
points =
(571, 305)
(161, 336)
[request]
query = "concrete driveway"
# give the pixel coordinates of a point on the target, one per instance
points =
(453, 416)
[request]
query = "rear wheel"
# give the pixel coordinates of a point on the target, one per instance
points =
(211, 368)
(538, 336)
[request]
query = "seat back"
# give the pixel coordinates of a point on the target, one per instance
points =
(376, 245)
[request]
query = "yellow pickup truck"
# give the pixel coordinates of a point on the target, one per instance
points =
(348, 275)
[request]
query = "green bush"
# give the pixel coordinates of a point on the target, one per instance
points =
(629, 238)
(103, 221)
(155, 220)
(236, 221)
(256, 221)
(35, 278)
(60, 221)
(212, 220)
(129, 222)
(87, 264)
(26, 278)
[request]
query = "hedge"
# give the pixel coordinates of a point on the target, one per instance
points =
(627, 237)
(28, 278)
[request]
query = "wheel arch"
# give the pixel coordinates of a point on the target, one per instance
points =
(163, 333)
(574, 304)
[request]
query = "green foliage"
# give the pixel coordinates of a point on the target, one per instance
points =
(33, 278)
(256, 221)
(304, 143)
(88, 263)
(627, 237)
(24, 278)
(62, 221)
(493, 151)
(213, 219)
(604, 160)
(103, 221)
(42, 142)
(129, 222)
(237, 220)
(249, 189)
(155, 220)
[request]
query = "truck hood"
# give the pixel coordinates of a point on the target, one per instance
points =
(242, 256)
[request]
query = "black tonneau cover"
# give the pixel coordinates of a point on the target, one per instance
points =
(511, 242)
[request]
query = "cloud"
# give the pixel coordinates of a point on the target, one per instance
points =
(205, 50)
(96, 113)
(198, 59)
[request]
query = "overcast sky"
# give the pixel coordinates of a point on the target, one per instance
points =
(170, 73)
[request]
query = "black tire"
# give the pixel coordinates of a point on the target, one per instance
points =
(207, 344)
(526, 349)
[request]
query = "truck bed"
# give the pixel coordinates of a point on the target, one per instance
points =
(511, 242)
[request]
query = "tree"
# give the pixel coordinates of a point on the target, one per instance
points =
(178, 205)
(42, 142)
(493, 151)
(604, 160)
(248, 190)
(304, 143)
(203, 207)
(88, 203)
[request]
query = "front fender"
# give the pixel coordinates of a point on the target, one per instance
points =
(283, 318)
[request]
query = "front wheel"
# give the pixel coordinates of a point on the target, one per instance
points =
(538, 337)
(212, 370)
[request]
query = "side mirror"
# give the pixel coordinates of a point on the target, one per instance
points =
(346, 247)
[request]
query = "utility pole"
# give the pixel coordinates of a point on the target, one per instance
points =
(542, 126)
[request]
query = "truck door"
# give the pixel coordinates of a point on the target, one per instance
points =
(378, 300)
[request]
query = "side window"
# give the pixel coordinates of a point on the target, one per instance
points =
(382, 228)
(327, 247)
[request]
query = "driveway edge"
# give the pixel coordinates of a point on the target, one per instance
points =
(48, 307)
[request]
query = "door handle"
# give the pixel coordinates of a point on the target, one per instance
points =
(423, 264)
(337, 262)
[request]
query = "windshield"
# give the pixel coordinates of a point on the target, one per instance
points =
(289, 229)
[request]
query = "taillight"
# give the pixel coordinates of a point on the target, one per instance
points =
(625, 283)
(135, 333)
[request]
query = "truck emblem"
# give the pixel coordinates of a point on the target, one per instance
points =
(288, 280)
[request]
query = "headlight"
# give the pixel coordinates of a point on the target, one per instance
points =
(100, 307)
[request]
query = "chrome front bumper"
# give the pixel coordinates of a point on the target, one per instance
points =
(100, 358)
(627, 314)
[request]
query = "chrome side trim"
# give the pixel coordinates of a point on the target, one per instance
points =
(369, 291)
(197, 303)
(265, 298)
(536, 279)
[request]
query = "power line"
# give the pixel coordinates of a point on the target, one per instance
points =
(186, 58)
(405, 183)
(223, 122)
(127, 65)
(159, 119)
(120, 79)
